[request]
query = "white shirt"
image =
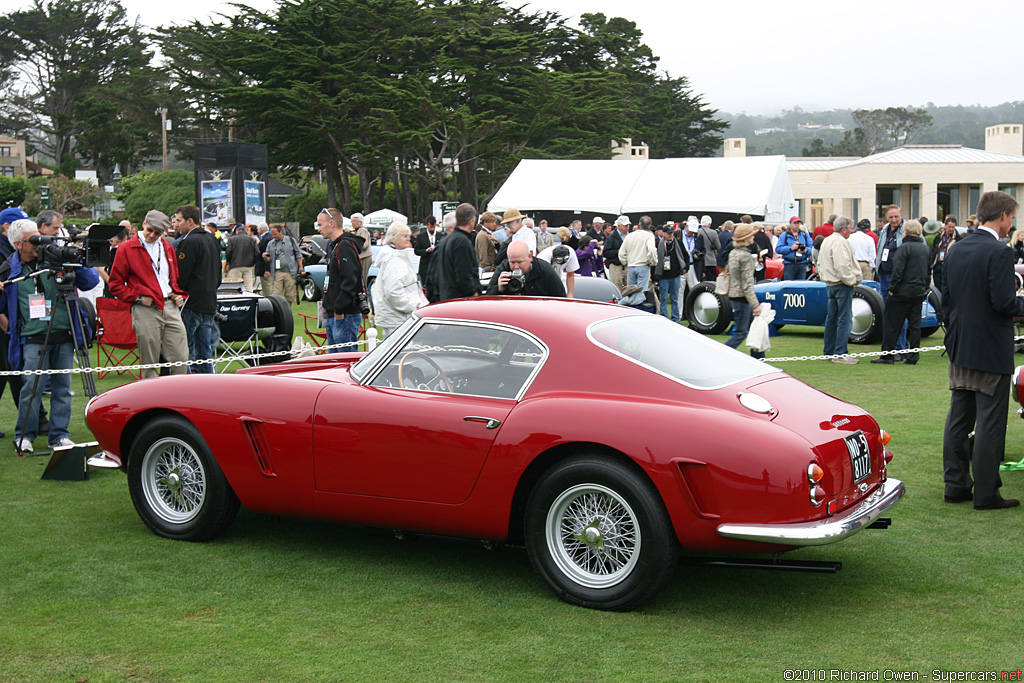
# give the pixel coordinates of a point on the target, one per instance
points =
(160, 267)
(863, 246)
(525, 234)
(570, 266)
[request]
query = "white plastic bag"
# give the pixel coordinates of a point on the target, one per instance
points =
(758, 338)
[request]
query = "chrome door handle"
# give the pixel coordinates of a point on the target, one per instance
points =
(490, 421)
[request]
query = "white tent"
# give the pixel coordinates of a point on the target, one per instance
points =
(384, 217)
(735, 185)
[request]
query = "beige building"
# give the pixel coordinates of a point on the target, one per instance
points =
(924, 180)
(12, 157)
(625, 149)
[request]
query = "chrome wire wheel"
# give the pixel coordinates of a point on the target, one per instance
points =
(593, 536)
(173, 480)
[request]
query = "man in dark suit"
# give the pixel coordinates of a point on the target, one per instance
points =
(979, 338)
(424, 246)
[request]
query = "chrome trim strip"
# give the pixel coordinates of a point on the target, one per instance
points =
(830, 530)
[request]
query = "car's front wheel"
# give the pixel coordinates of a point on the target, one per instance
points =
(310, 292)
(866, 316)
(176, 484)
(598, 534)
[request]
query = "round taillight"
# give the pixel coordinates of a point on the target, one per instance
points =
(818, 495)
(814, 473)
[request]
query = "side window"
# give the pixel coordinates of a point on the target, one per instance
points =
(464, 359)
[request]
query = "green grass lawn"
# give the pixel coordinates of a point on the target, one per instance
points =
(88, 593)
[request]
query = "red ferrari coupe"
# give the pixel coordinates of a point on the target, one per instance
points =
(602, 438)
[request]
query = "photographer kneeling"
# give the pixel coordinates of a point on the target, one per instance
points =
(25, 310)
(524, 275)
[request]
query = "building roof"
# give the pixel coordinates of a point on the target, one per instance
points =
(909, 154)
(275, 188)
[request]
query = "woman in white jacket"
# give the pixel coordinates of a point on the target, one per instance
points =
(396, 292)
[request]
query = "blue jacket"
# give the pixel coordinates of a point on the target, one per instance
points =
(786, 243)
(883, 239)
(85, 278)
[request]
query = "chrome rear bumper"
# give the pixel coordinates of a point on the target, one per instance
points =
(829, 530)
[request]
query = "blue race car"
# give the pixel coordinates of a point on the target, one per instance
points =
(803, 302)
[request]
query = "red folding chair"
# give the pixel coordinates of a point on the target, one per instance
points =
(318, 337)
(116, 344)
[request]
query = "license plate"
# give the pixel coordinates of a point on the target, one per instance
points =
(860, 455)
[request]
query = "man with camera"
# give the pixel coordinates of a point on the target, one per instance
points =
(41, 328)
(342, 303)
(145, 276)
(524, 275)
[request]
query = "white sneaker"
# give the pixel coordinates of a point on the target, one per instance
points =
(23, 446)
(62, 443)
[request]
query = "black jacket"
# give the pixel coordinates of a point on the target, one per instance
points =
(935, 248)
(242, 252)
(542, 280)
(199, 270)
(611, 248)
(420, 247)
(457, 272)
(980, 308)
(344, 275)
(911, 272)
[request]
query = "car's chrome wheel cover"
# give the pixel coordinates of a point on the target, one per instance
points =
(173, 480)
(706, 308)
(861, 317)
(593, 535)
(309, 289)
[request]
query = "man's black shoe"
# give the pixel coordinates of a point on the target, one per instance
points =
(1000, 504)
(883, 360)
(965, 498)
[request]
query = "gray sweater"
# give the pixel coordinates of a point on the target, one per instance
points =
(741, 275)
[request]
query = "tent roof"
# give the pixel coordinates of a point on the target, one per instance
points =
(383, 217)
(754, 185)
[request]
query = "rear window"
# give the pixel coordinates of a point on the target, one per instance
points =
(676, 352)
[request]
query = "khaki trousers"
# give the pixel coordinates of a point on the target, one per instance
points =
(246, 274)
(160, 332)
(867, 272)
(617, 275)
(284, 285)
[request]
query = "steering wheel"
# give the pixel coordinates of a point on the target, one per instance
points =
(430, 361)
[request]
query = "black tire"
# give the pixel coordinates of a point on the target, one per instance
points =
(707, 312)
(618, 581)
(176, 484)
(866, 324)
(310, 292)
(936, 301)
(369, 284)
(284, 321)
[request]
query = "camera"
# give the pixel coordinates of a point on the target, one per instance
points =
(800, 247)
(364, 303)
(516, 282)
(55, 251)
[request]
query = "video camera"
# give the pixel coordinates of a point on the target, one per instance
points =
(89, 247)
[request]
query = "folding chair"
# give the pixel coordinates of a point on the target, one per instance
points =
(116, 344)
(317, 337)
(239, 334)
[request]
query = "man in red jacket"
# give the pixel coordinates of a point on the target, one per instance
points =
(145, 275)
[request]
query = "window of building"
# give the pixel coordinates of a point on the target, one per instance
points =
(855, 210)
(949, 202)
(973, 195)
(5, 151)
(817, 212)
(915, 201)
(7, 171)
(886, 195)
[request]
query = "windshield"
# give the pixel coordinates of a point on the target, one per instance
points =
(360, 369)
(675, 351)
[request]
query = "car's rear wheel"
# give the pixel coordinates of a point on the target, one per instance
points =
(176, 484)
(936, 302)
(598, 534)
(707, 312)
(310, 292)
(866, 320)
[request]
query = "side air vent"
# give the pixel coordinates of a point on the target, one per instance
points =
(259, 446)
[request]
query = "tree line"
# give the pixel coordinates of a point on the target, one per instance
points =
(420, 99)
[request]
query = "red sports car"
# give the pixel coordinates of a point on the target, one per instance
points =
(602, 438)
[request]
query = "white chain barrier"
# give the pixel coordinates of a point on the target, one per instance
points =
(868, 354)
(294, 352)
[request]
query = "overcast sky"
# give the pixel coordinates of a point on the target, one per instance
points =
(761, 57)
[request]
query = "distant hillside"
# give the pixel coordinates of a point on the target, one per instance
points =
(794, 129)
